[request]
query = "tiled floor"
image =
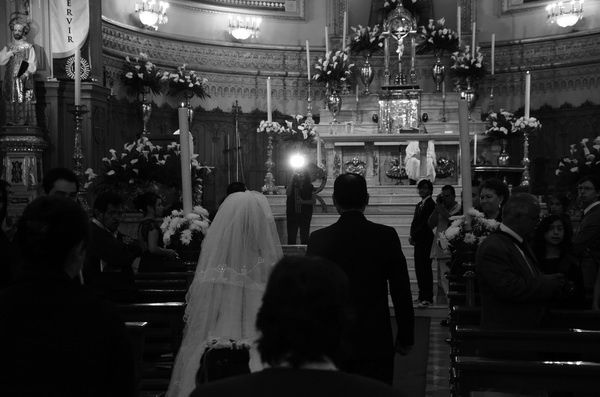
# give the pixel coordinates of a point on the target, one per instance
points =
(439, 353)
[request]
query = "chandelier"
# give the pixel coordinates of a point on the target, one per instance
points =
(565, 13)
(244, 28)
(152, 13)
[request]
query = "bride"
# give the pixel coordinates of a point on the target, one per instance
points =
(238, 252)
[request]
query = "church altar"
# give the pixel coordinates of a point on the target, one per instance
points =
(360, 141)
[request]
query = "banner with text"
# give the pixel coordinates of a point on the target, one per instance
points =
(69, 29)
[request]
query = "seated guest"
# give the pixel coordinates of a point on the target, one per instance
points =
(553, 249)
(514, 292)
(56, 338)
(493, 194)
(301, 321)
(110, 256)
(61, 182)
(154, 256)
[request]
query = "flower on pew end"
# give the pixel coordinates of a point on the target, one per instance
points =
(460, 236)
(181, 229)
(223, 343)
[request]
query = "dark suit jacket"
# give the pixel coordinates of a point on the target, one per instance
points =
(419, 227)
(586, 245)
(296, 383)
(116, 280)
(513, 293)
(371, 256)
(57, 339)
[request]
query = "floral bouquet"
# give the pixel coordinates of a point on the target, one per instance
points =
(333, 69)
(182, 232)
(526, 126)
(139, 166)
(462, 241)
(272, 128)
(184, 80)
(366, 40)
(390, 5)
(438, 38)
(500, 125)
(299, 130)
(140, 74)
(583, 159)
(464, 65)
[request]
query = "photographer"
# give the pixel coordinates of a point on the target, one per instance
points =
(299, 206)
(439, 220)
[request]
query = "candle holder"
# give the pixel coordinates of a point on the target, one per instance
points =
(525, 182)
(444, 119)
(78, 111)
(491, 104)
(269, 186)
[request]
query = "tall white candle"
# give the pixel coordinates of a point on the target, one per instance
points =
(186, 177)
(326, 39)
(344, 32)
(458, 23)
(465, 163)
(473, 41)
(413, 52)
(77, 78)
(493, 51)
(475, 148)
(443, 90)
(308, 60)
(527, 93)
(269, 117)
(356, 89)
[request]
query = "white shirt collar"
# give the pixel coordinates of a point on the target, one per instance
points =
(589, 207)
(511, 232)
(425, 199)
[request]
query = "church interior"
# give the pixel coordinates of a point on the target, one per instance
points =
(396, 91)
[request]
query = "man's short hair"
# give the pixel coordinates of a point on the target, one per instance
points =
(48, 229)
(425, 183)
(105, 199)
(59, 173)
(350, 191)
(234, 187)
(520, 204)
(593, 179)
(304, 311)
(449, 188)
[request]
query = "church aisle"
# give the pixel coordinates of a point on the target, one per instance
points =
(438, 362)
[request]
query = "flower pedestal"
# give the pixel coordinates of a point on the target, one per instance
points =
(503, 159)
(146, 106)
(334, 103)
(366, 75)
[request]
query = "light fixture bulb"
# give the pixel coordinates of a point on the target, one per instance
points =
(297, 161)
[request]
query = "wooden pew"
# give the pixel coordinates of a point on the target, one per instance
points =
(476, 373)
(136, 331)
(151, 295)
(161, 283)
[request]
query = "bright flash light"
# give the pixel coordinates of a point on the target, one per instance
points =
(297, 161)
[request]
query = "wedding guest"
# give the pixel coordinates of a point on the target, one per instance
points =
(493, 194)
(421, 237)
(371, 256)
(57, 338)
(301, 321)
(111, 255)
(61, 182)
(514, 292)
(553, 248)
(299, 206)
(154, 256)
(586, 241)
(557, 204)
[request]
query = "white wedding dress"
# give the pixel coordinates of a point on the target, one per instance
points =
(412, 162)
(238, 253)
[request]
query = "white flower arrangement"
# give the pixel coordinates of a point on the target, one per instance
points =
(334, 68)
(184, 227)
(270, 127)
(183, 80)
(299, 130)
(465, 65)
(523, 125)
(438, 37)
(456, 237)
(500, 124)
(221, 343)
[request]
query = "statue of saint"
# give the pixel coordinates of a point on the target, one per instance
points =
(21, 64)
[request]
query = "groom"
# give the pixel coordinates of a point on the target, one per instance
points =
(371, 256)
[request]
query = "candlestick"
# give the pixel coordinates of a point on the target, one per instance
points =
(186, 173)
(308, 60)
(475, 148)
(344, 32)
(443, 90)
(493, 51)
(326, 40)
(473, 41)
(458, 27)
(269, 117)
(527, 93)
(465, 164)
(356, 89)
(386, 61)
(77, 73)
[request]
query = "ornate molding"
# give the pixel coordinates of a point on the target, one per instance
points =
(271, 9)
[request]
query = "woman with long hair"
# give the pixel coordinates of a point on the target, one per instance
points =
(238, 252)
(553, 248)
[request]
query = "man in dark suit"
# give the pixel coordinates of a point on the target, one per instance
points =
(421, 237)
(371, 256)
(110, 256)
(56, 337)
(586, 240)
(513, 290)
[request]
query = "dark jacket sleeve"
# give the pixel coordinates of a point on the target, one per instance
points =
(588, 236)
(400, 290)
